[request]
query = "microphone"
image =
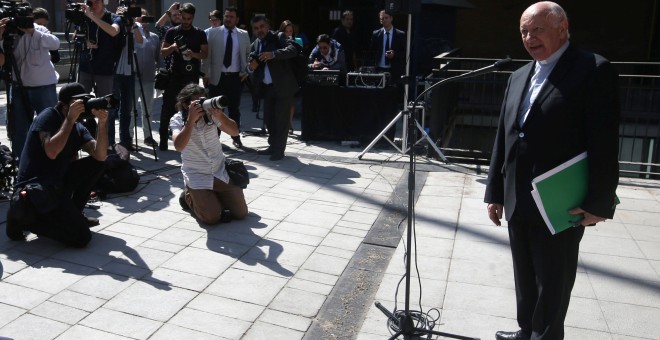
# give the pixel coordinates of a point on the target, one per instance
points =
(497, 66)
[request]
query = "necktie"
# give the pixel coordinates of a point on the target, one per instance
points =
(228, 49)
(387, 46)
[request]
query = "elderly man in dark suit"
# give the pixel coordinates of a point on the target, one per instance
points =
(388, 48)
(559, 105)
(272, 74)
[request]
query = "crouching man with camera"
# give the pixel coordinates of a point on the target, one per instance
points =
(52, 185)
(209, 192)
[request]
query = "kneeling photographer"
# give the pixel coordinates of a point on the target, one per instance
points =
(208, 192)
(53, 185)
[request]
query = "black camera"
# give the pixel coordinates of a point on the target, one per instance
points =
(254, 56)
(102, 103)
(75, 13)
(182, 44)
(130, 12)
(147, 19)
(20, 16)
(219, 102)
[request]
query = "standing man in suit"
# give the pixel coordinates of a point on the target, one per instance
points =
(388, 48)
(272, 75)
(229, 47)
(559, 105)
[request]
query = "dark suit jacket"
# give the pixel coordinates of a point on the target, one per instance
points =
(576, 110)
(284, 81)
(398, 44)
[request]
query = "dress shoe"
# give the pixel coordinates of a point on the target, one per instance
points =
(182, 201)
(130, 147)
(237, 141)
(266, 151)
(14, 231)
(276, 157)
(163, 145)
(517, 335)
(149, 141)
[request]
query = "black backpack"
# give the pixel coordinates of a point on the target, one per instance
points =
(299, 64)
(119, 176)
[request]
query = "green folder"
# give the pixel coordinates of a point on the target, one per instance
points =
(559, 190)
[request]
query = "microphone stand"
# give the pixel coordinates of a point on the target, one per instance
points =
(402, 321)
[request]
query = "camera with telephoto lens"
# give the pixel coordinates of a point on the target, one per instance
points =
(130, 12)
(219, 102)
(148, 19)
(181, 44)
(20, 16)
(102, 103)
(75, 13)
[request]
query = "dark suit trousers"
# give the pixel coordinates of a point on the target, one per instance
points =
(276, 115)
(174, 86)
(229, 86)
(544, 268)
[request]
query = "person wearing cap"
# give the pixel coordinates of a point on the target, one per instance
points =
(50, 159)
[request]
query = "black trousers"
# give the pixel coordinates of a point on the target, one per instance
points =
(229, 86)
(544, 267)
(276, 116)
(66, 222)
(174, 86)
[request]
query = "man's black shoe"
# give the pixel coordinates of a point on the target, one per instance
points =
(517, 335)
(14, 231)
(91, 221)
(267, 151)
(182, 201)
(237, 141)
(162, 146)
(130, 147)
(149, 141)
(276, 157)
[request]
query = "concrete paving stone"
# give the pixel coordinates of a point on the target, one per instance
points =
(252, 287)
(301, 184)
(627, 269)
(595, 244)
(331, 195)
(84, 257)
(651, 250)
(130, 205)
(273, 215)
(494, 301)
(372, 199)
(326, 264)
(314, 276)
(582, 286)
(313, 218)
(432, 291)
(656, 266)
(429, 267)
(429, 246)
(9, 313)
(19, 256)
(107, 242)
(442, 190)
(375, 325)
(482, 233)
(8, 267)
(30, 326)
(608, 228)
(78, 332)
(483, 252)
(310, 230)
(267, 331)
(624, 337)
(227, 307)
(151, 300)
(582, 333)
(77, 300)
(41, 247)
(309, 286)
(202, 262)
(478, 325)
(287, 320)
(638, 217)
(354, 225)
(230, 328)
(232, 249)
(172, 332)
(630, 192)
(178, 236)
(349, 231)
(102, 285)
(143, 257)
(51, 276)
(281, 252)
(360, 216)
(626, 290)
(342, 241)
(179, 279)
(58, 312)
(328, 207)
(434, 202)
(445, 230)
(632, 320)
(277, 269)
(162, 246)
(332, 251)
(585, 314)
(273, 204)
(119, 323)
(298, 302)
(295, 237)
(636, 204)
(643, 232)
(23, 297)
(481, 273)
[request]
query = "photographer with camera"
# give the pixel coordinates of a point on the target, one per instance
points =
(209, 192)
(101, 49)
(52, 185)
(34, 79)
(188, 46)
(171, 18)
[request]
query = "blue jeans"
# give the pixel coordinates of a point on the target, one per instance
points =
(123, 89)
(40, 98)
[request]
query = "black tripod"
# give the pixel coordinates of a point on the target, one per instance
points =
(131, 57)
(79, 38)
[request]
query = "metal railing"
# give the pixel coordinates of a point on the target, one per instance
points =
(465, 113)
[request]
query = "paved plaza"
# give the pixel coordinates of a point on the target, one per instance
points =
(323, 241)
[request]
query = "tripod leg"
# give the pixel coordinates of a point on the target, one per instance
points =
(426, 136)
(382, 135)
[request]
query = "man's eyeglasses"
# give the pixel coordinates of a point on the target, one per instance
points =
(535, 32)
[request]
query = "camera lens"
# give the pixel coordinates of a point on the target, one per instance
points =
(219, 102)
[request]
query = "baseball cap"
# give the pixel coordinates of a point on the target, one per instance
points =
(70, 91)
